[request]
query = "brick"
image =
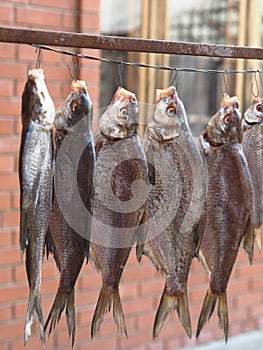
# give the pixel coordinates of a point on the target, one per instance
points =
(128, 290)
(68, 22)
(6, 14)
(145, 320)
(5, 313)
(15, 200)
(9, 145)
(27, 53)
(19, 273)
(88, 281)
(55, 74)
(92, 75)
(49, 286)
(5, 238)
(50, 270)
(11, 331)
(5, 275)
(89, 22)
(5, 200)
(49, 19)
(152, 287)
(60, 4)
(139, 305)
(135, 338)
(10, 256)
(13, 70)
(90, 6)
(97, 344)
(6, 165)
(87, 297)
(13, 108)
(6, 87)
(13, 293)
(18, 128)
(10, 219)
(138, 272)
(157, 345)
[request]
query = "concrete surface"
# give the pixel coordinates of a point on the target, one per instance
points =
(247, 341)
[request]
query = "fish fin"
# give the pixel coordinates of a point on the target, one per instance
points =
(94, 259)
(248, 239)
(258, 237)
(106, 299)
(169, 303)
(207, 310)
(141, 235)
(223, 314)
(202, 258)
(50, 248)
(34, 304)
(150, 253)
(62, 301)
(23, 231)
(198, 232)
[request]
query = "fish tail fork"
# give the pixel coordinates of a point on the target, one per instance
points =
(62, 301)
(34, 304)
(167, 304)
(223, 314)
(106, 299)
(258, 237)
(207, 310)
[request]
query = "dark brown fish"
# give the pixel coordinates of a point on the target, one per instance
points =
(252, 144)
(69, 228)
(120, 195)
(36, 176)
(229, 217)
(177, 193)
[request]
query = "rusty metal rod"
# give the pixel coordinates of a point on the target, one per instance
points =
(102, 42)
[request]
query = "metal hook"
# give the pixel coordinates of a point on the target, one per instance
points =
(171, 78)
(38, 51)
(226, 83)
(118, 78)
(71, 74)
(257, 86)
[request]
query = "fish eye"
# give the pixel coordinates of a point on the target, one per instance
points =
(170, 111)
(74, 106)
(228, 119)
(259, 108)
(124, 112)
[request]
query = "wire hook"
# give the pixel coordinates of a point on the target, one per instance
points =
(172, 78)
(257, 85)
(118, 78)
(226, 83)
(38, 51)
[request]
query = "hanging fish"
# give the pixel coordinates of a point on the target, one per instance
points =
(36, 176)
(252, 144)
(73, 177)
(229, 217)
(120, 195)
(177, 192)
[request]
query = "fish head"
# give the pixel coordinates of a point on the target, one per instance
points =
(169, 117)
(254, 113)
(225, 126)
(76, 106)
(37, 104)
(121, 118)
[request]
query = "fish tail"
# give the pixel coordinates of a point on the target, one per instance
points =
(258, 237)
(62, 301)
(169, 303)
(34, 304)
(223, 314)
(207, 310)
(106, 299)
(248, 239)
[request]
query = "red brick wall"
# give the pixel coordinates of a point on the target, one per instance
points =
(141, 286)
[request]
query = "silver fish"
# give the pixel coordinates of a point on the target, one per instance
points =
(69, 244)
(252, 144)
(177, 192)
(119, 211)
(36, 176)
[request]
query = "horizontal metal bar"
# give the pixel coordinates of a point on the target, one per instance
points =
(102, 42)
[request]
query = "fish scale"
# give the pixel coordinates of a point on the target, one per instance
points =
(36, 176)
(228, 207)
(177, 191)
